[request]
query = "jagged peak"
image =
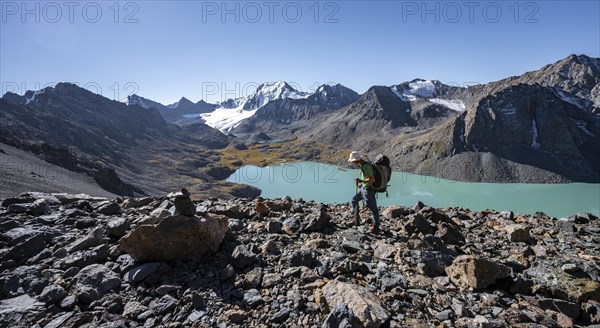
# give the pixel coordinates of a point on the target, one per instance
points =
(185, 100)
(576, 59)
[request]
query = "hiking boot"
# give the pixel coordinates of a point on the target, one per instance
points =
(354, 221)
(374, 229)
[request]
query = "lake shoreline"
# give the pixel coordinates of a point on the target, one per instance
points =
(558, 200)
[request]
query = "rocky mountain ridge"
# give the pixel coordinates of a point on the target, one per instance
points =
(130, 149)
(67, 261)
(541, 127)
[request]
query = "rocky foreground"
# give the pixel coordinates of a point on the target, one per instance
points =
(75, 260)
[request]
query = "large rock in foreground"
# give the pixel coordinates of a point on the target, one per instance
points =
(176, 237)
(474, 272)
(369, 309)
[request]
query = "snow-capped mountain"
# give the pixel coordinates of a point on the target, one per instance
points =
(267, 92)
(280, 116)
(233, 111)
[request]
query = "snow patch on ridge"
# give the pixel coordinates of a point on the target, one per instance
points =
(34, 96)
(569, 98)
(535, 143)
(421, 88)
(454, 104)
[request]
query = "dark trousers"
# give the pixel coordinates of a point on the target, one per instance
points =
(369, 197)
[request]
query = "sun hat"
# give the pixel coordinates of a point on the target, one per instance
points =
(355, 156)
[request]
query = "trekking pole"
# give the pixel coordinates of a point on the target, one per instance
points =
(356, 215)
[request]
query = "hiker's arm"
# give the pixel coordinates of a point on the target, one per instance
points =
(368, 180)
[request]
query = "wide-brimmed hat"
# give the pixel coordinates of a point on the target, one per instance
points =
(355, 156)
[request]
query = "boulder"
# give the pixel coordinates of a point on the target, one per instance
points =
(93, 239)
(137, 202)
(93, 281)
(568, 308)
(108, 208)
(235, 316)
(274, 227)
(384, 251)
(369, 309)
(139, 273)
(17, 209)
(590, 312)
(316, 220)
(118, 227)
(163, 305)
(417, 223)
(280, 316)
(242, 257)
(449, 234)
(176, 237)
(563, 285)
(13, 309)
(341, 317)
(252, 298)
(261, 208)
(468, 271)
(517, 232)
(134, 309)
(26, 249)
(302, 257)
(39, 207)
(52, 294)
(394, 212)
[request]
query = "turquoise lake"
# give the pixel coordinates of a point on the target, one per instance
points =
(331, 184)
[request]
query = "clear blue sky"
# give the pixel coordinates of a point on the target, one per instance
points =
(188, 48)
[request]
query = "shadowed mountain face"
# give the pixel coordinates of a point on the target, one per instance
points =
(538, 127)
(379, 115)
(576, 79)
(69, 115)
(130, 149)
(524, 133)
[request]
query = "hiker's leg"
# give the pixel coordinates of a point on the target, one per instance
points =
(372, 204)
(354, 202)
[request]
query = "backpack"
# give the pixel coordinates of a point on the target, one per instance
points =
(382, 172)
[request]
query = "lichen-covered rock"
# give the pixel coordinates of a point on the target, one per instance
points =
(563, 285)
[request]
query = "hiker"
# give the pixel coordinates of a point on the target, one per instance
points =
(366, 191)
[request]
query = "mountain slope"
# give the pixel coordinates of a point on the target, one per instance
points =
(111, 141)
(383, 112)
(523, 133)
(538, 127)
(576, 79)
